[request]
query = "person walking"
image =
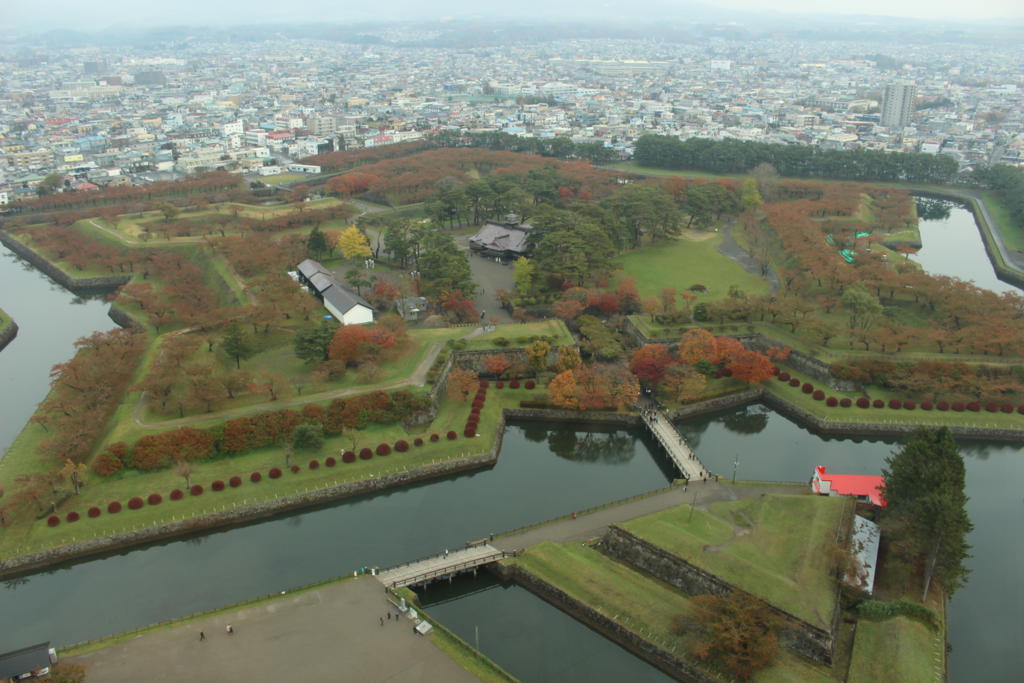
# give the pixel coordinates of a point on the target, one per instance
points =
(202, 636)
(230, 630)
(382, 621)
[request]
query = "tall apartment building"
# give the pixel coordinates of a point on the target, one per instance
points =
(898, 104)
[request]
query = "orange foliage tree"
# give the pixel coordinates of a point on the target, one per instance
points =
(750, 366)
(461, 383)
(650, 362)
(698, 345)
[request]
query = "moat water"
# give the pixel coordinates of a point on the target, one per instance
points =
(545, 470)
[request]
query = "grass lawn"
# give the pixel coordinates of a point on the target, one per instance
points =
(636, 601)
(28, 536)
(898, 649)
(773, 547)
(518, 335)
(1012, 236)
(5, 319)
(281, 179)
(632, 167)
(683, 263)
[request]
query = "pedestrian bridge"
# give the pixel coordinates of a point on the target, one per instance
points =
(444, 565)
(682, 455)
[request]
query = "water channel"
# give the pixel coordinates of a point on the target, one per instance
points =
(545, 470)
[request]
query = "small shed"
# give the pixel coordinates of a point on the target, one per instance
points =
(28, 660)
(412, 308)
(866, 488)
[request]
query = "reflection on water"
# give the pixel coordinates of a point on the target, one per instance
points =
(529, 638)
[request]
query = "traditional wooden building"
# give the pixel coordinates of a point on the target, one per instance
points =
(346, 306)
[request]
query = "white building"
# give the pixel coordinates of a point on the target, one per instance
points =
(346, 306)
(898, 104)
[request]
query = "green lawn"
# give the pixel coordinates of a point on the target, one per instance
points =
(35, 535)
(519, 334)
(636, 601)
(683, 263)
(898, 649)
(5, 319)
(1012, 235)
(632, 167)
(282, 178)
(772, 546)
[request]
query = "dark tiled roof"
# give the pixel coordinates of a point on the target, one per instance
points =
(322, 281)
(344, 300)
(498, 237)
(309, 268)
(24, 660)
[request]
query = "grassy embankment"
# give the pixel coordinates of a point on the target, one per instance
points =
(774, 547)
(98, 491)
(519, 334)
(899, 649)
(639, 603)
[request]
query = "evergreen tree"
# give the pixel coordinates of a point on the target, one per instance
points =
(924, 490)
(235, 344)
(311, 344)
(308, 437)
(316, 243)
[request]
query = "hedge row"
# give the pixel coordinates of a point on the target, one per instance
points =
(895, 403)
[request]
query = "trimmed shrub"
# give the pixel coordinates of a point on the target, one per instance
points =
(1020, 409)
(72, 516)
(942, 405)
(991, 407)
(530, 384)
(434, 437)
(783, 376)
(500, 385)
(469, 432)
(452, 436)
(775, 370)
(807, 388)
(717, 374)
(894, 404)
(862, 402)
(113, 507)
(927, 405)
(331, 461)
(135, 503)
(909, 404)
(196, 490)
(417, 442)
(296, 469)
(1006, 408)
(974, 406)
(365, 454)
(831, 401)
(878, 403)
(275, 472)
(235, 481)
(514, 384)
(958, 406)
(794, 382)
(218, 485)
(383, 449)
(818, 395)
(255, 477)
(52, 520)
(845, 402)
(314, 464)
(154, 499)
(94, 512)
(348, 457)
(478, 404)
(177, 494)
(401, 445)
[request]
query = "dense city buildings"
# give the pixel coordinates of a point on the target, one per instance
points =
(131, 115)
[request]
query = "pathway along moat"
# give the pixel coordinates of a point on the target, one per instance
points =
(544, 471)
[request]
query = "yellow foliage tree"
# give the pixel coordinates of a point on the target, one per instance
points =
(353, 243)
(562, 390)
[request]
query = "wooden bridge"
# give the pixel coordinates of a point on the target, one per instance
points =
(445, 565)
(685, 460)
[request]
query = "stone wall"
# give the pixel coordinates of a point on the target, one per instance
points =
(7, 334)
(123, 319)
(677, 668)
(799, 636)
(713, 405)
(59, 276)
(246, 514)
(556, 415)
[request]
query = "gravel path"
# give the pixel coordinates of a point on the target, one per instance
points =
(728, 247)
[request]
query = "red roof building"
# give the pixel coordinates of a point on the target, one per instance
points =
(864, 487)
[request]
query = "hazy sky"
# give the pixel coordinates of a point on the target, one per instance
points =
(42, 15)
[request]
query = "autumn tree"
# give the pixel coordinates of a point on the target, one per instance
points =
(650, 362)
(698, 345)
(496, 364)
(353, 243)
(537, 355)
(568, 358)
(184, 469)
(739, 632)
(684, 382)
(74, 473)
(750, 366)
(461, 383)
(562, 390)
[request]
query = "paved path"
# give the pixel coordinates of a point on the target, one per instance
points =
(329, 634)
(441, 565)
(489, 277)
(595, 524)
(418, 377)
